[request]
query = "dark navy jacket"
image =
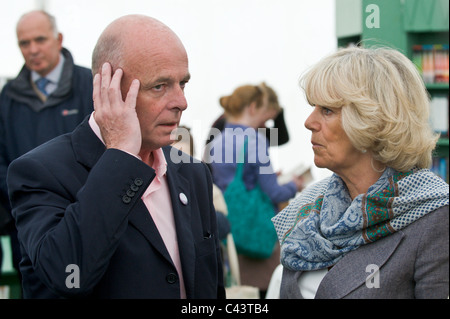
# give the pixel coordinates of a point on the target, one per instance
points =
(78, 205)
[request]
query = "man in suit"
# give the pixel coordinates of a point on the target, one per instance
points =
(106, 211)
(50, 96)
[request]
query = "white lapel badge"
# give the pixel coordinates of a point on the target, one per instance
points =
(183, 199)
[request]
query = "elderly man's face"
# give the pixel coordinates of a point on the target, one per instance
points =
(163, 73)
(38, 44)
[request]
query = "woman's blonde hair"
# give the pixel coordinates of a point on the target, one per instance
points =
(385, 105)
(244, 95)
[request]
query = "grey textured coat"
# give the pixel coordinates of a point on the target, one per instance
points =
(412, 263)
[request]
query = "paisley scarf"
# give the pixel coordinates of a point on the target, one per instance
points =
(323, 223)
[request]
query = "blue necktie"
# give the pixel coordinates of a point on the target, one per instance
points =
(41, 84)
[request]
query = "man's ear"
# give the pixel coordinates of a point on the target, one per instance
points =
(60, 40)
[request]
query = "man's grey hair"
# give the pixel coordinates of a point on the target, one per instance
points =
(107, 49)
(50, 18)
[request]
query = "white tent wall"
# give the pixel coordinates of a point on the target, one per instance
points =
(229, 43)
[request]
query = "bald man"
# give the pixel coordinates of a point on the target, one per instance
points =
(110, 210)
(49, 97)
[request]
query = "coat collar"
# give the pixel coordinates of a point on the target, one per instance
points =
(179, 185)
(87, 147)
(142, 220)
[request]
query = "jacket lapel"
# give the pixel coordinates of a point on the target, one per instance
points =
(86, 145)
(141, 219)
(179, 185)
(350, 272)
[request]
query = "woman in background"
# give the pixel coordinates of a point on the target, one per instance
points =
(247, 109)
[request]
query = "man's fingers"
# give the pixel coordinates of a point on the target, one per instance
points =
(105, 82)
(114, 91)
(96, 91)
(107, 89)
(132, 94)
(106, 75)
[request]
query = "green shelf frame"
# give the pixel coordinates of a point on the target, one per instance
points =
(437, 86)
(9, 276)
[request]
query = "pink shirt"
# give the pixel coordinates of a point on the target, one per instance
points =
(158, 202)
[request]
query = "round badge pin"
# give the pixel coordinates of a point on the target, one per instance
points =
(183, 199)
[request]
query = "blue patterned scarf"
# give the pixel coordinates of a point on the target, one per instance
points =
(323, 223)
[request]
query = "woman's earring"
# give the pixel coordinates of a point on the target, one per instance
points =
(376, 169)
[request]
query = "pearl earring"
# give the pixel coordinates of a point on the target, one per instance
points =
(364, 151)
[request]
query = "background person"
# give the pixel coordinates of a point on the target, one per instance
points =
(378, 227)
(246, 110)
(29, 116)
(279, 123)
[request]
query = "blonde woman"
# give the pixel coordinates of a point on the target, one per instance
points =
(378, 227)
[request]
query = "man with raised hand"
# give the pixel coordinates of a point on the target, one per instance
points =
(104, 212)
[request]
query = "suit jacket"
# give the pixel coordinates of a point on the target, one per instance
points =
(85, 231)
(410, 263)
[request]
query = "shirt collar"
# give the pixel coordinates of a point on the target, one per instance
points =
(159, 160)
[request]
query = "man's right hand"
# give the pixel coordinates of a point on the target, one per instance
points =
(117, 119)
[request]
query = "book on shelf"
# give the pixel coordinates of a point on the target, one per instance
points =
(439, 114)
(440, 167)
(432, 62)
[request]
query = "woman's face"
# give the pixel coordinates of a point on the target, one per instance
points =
(331, 145)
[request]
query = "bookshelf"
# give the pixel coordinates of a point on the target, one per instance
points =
(10, 287)
(420, 30)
